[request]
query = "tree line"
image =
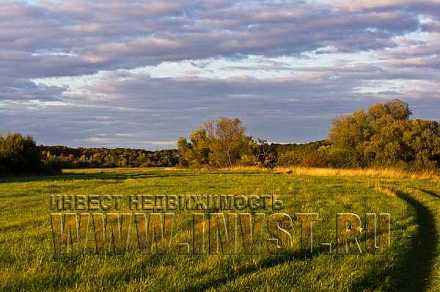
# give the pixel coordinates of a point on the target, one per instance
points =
(19, 155)
(67, 157)
(382, 135)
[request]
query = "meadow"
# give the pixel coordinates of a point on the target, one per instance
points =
(412, 262)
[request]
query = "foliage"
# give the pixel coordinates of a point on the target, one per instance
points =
(302, 154)
(67, 157)
(385, 136)
(220, 143)
(265, 153)
(20, 155)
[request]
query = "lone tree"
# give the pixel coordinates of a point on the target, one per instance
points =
(219, 143)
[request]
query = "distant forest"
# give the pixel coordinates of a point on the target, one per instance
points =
(382, 136)
(66, 157)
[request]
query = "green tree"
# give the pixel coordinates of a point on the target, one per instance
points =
(384, 135)
(19, 154)
(220, 143)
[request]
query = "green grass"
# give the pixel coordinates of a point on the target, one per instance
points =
(411, 263)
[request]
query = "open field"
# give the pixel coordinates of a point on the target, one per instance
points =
(412, 262)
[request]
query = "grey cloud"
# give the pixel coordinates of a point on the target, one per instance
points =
(114, 34)
(22, 90)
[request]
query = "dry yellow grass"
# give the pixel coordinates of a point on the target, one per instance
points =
(298, 171)
(369, 172)
(350, 172)
(385, 191)
(246, 168)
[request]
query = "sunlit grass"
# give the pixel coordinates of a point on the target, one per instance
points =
(26, 260)
(368, 172)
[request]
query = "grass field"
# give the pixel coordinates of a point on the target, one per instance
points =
(411, 263)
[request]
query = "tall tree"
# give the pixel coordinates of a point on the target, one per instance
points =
(220, 143)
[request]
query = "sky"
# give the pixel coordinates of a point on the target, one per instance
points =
(113, 73)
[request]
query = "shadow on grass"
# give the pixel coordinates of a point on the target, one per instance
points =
(99, 175)
(137, 271)
(104, 175)
(268, 262)
(413, 269)
(431, 193)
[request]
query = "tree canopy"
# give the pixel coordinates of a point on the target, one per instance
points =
(19, 155)
(220, 143)
(384, 135)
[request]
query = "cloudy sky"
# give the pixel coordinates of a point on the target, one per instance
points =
(142, 73)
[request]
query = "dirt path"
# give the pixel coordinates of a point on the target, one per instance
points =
(414, 269)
